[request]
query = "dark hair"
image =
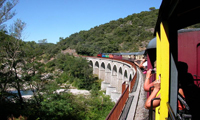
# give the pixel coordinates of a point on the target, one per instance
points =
(184, 78)
(182, 67)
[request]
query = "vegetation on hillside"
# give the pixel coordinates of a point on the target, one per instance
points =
(39, 68)
(23, 68)
(128, 34)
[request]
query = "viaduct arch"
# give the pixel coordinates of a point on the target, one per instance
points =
(113, 73)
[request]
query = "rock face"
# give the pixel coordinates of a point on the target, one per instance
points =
(74, 91)
(70, 51)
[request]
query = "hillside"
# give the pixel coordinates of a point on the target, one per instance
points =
(128, 34)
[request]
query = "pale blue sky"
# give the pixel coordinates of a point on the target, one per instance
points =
(51, 19)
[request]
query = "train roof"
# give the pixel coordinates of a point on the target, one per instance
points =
(152, 43)
(134, 53)
(188, 30)
(131, 53)
(181, 13)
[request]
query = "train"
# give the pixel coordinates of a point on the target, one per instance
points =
(131, 56)
(176, 42)
(188, 51)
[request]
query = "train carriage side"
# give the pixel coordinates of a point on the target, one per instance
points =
(175, 15)
(189, 51)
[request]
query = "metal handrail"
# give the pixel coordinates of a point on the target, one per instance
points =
(150, 89)
(171, 112)
(196, 75)
(117, 109)
(151, 108)
(181, 99)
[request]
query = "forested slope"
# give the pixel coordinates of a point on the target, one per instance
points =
(130, 34)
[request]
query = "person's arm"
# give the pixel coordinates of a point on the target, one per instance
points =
(136, 64)
(147, 83)
(153, 95)
(141, 63)
(181, 92)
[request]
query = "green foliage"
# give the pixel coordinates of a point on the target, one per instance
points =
(100, 106)
(38, 67)
(152, 8)
(64, 77)
(106, 38)
(6, 11)
(75, 70)
(67, 106)
(58, 107)
(46, 103)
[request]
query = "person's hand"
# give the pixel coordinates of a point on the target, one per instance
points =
(148, 74)
(156, 84)
(143, 60)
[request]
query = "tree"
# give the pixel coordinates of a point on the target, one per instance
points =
(42, 42)
(33, 70)
(10, 46)
(152, 8)
(5, 11)
(12, 58)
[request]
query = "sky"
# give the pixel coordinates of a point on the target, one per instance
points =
(52, 19)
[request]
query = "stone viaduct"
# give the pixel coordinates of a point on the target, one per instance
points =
(113, 73)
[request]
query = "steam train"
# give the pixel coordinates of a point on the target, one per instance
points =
(174, 44)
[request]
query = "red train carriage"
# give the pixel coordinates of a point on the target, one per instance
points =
(189, 51)
(99, 55)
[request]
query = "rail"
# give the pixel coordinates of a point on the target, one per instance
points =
(126, 89)
(134, 78)
(151, 109)
(171, 112)
(117, 109)
(119, 106)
